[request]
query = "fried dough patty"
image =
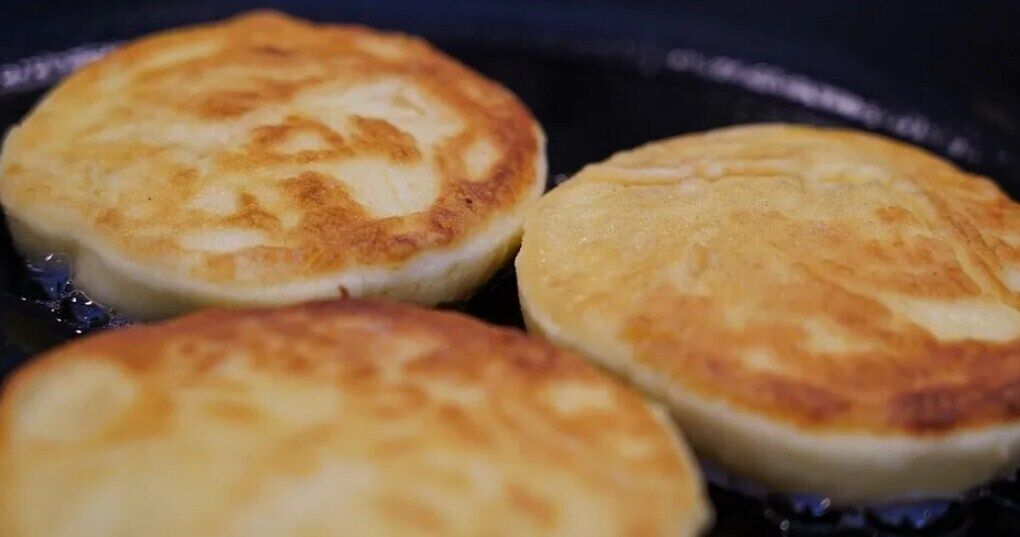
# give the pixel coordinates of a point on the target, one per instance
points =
(334, 418)
(824, 310)
(269, 160)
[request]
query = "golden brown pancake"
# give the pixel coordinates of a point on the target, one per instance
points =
(334, 418)
(824, 310)
(269, 160)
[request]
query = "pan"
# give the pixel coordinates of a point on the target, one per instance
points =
(599, 77)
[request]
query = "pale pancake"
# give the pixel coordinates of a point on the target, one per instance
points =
(269, 160)
(344, 418)
(824, 310)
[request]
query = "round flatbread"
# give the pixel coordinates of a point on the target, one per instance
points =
(268, 160)
(824, 310)
(329, 419)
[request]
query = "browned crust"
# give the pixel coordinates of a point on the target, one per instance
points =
(902, 388)
(947, 240)
(334, 231)
(354, 345)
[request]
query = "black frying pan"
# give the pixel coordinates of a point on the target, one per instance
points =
(602, 77)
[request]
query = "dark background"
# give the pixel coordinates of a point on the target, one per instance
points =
(944, 57)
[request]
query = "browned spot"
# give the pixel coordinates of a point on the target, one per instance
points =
(396, 447)
(329, 211)
(234, 412)
(293, 456)
(184, 181)
(463, 425)
(945, 407)
(641, 528)
(148, 417)
(377, 136)
(252, 215)
(534, 361)
(265, 139)
(530, 505)
(372, 137)
(930, 409)
(273, 50)
(1007, 395)
(402, 101)
(815, 403)
(221, 267)
(894, 215)
(109, 218)
(228, 103)
(398, 400)
(411, 513)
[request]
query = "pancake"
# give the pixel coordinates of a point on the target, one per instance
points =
(334, 418)
(824, 311)
(345, 418)
(268, 160)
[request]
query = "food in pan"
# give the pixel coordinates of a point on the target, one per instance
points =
(825, 311)
(268, 160)
(334, 418)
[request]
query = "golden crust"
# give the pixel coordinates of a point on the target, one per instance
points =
(829, 281)
(341, 418)
(267, 150)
